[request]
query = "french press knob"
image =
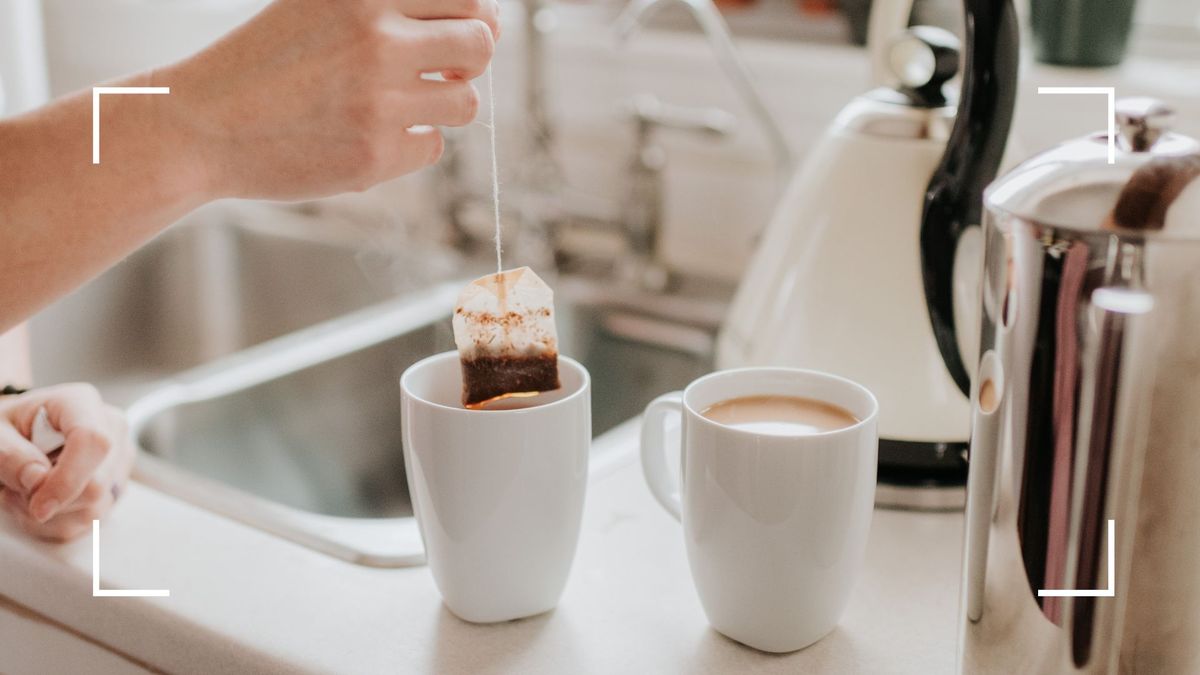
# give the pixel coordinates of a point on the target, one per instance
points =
(1141, 122)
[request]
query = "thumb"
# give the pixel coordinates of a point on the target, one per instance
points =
(22, 465)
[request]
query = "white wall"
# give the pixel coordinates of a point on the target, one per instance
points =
(1177, 13)
(22, 64)
(90, 41)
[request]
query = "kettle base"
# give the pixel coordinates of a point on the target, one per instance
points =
(920, 497)
(922, 475)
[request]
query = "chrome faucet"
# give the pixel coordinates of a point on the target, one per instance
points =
(540, 138)
(713, 25)
(531, 209)
(641, 212)
(540, 203)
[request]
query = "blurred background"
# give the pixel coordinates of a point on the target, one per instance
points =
(801, 54)
(642, 153)
(652, 155)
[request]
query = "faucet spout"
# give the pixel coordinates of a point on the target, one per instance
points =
(630, 18)
(716, 31)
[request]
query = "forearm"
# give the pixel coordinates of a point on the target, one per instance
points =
(64, 220)
(15, 358)
(307, 99)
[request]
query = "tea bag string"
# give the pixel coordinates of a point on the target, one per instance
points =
(495, 166)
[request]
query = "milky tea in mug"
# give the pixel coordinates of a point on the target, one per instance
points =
(780, 415)
(775, 489)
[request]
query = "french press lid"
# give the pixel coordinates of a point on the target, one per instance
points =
(1152, 182)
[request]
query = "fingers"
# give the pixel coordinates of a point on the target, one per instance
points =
(84, 419)
(84, 452)
(421, 146)
(96, 499)
(400, 151)
(458, 49)
(451, 104)
(65, 497)
(23, 466)
(63, 527)
(487, 11)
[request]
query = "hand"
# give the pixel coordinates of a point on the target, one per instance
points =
(60, 502)
(316, 97)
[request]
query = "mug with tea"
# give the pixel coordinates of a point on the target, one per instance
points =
(775, 493)
(497, 492)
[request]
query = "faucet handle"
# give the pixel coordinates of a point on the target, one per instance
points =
(651, 113)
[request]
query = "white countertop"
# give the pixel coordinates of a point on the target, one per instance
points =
(245, 601)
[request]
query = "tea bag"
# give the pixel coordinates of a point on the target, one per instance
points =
(507, 343)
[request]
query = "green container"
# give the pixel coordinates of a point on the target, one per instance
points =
(1081, 32)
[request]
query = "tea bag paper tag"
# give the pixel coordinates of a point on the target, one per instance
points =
(44, 435)
(510, 314)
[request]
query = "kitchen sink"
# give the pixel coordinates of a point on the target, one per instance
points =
(217, 282)
(301, 436)
(260, 369)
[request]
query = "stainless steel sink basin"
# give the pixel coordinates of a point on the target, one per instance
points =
(259, 359)
(212, 285)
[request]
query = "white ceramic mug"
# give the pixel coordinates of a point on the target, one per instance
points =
(775, 526)
(498, 494)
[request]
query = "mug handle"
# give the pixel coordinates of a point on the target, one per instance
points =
(654, 459)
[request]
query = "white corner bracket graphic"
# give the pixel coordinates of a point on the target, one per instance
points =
(96, 591)
(1111, 93)
(1109, 592)
(97, 92)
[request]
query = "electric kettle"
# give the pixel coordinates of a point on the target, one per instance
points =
(1083, 517)
(849, 278)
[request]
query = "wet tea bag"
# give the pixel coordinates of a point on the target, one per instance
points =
(504, 331)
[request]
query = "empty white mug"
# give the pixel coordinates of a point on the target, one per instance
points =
(775, 526)
(498, 494)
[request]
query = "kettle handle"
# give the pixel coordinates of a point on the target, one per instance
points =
(954, 198)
